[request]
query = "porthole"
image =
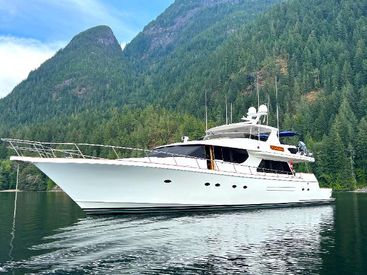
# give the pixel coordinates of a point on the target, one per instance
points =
(308, 189)
(245, 187)
(207, 184)
(303, 189)
(217, 185)
(234, 186)
(167, 181)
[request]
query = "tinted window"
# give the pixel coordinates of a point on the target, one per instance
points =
(197, 151)
(218, 152)
(293, 150)
(271, 166)
(230, 154)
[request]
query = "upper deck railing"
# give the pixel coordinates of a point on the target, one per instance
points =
(28, 148)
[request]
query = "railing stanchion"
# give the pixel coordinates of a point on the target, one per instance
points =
(52, 152)
(147, 155)
(197, 163)
(113, 148)
(174, 159)
(80, 152)
(16, 151)
(35, 147)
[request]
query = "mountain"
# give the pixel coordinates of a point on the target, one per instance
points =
(167, 53)
(316, 49)
(93, 72)
(85, 73)
(189, 25)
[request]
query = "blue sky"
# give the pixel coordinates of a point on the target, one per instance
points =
(31, 31)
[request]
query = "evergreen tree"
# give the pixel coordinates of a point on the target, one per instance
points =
(361, 152)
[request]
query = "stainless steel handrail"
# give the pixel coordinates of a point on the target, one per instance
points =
(49, 150)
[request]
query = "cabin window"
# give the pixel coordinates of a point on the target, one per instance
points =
(197, 151)
(271, 166)
(230, 154)
(201, 151)
(293, 150)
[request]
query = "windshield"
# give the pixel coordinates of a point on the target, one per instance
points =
(197, 151)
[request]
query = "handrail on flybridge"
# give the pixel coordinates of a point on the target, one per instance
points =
(28, 148)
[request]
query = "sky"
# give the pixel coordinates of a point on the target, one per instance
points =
(31, 31)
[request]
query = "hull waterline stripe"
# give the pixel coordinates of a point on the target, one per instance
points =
(168, 209)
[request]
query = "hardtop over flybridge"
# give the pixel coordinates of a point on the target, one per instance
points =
(235, 166)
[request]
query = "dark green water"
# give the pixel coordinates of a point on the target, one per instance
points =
(52, 235)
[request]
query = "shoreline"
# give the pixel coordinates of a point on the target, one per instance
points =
(11, 190)
(14, 190)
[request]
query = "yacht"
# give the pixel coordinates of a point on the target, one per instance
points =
(235, 166)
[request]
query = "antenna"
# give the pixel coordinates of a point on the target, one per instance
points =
(267, 116)
(257, 91)
(276, 99)
(231, 111)
(226, 110)
(206, 113)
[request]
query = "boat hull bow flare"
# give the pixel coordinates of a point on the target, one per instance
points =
(236, 166)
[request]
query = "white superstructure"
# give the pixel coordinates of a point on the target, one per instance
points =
(235, 166)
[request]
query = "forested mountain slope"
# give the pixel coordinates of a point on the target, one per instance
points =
(189, 30)
(141, 128)
(315, 48)
(169, 49)
(318, 49)
(85, 73)
(92, 72)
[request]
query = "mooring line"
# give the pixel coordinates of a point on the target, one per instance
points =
(12, 233)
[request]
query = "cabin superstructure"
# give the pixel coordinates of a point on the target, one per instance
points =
(247, 143)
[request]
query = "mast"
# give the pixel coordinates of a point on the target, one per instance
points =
(231, 111)
(257, 91)
(226, 110)
(267, 116)
(206, 113)
(276, 100)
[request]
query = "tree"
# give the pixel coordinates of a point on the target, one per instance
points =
(361, 152)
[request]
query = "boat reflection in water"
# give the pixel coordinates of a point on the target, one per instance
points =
(258, 242)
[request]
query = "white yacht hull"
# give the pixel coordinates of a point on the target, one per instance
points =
(123, 186)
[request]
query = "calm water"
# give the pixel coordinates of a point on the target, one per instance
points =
(53, 235)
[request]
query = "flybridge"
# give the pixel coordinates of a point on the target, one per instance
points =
(282, 134)
(249, 128)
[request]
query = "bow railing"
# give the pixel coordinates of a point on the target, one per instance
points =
(28, 148)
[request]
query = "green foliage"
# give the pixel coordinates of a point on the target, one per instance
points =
(7, 174)
(361, 152)
(91, 91)
(50, 184)
(141, 128)
(87, 72)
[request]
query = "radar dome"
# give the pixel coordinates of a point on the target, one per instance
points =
(263, 109)
(251, 111)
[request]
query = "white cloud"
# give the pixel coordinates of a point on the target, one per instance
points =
(123, 45)
(20, 56)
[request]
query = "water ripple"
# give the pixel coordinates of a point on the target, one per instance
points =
(275, 241)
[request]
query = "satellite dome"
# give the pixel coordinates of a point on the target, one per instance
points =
(251, 111)
(263, 109)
